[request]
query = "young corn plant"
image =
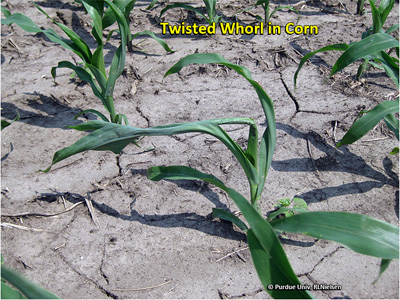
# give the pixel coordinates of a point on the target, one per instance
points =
(93, 70)
(211, 16)
(371, 50)
(357, 232)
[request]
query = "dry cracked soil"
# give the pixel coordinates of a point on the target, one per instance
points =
(145, 239)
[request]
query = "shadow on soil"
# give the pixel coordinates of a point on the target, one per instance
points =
(335, 160)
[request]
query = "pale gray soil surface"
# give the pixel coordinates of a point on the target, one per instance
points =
(157, 239)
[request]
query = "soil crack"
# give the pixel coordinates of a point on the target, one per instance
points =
(292, 97)
(99, 286)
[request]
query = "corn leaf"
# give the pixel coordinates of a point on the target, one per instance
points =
(115, 137)
(392, 28)
(210, 6)
(369, 121)
(370, 45)
(118, 61)
(339, 47)
(268, 255)
(28, 25)
(393, 124)
(85, 76)
(376, 18)
(125, 6)
(227, 216)
(78, 44)
(95, 9)
(157, 39)
(5, 12)
(9, 293)
(5, 123)
(360, 233)
(385, 8)
(28, 288)
(98, 61)
(384, 264)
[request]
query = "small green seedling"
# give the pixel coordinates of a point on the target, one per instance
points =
(288, 208)
(211, 16)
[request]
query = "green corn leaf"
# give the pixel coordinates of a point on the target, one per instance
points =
(118, 61)
(384, 264)
(83, 75)
(359, 233)
(385, 8)
(28, 25)
(370, 45)
(376, 18)
(269, 258)
(5, 123)
(185, 6)
(9, 293)
(393, 124)
(268, 141)
(394, 151)
(369, 121)
(392, 29)
(210, 6)
(95, 9)
(5, 12)
(114, 137)
(78, 44)
(93, 111)
(157, 39)
(28, 288)
(252, 146)
(339, 47)
(125, 6)
(227, 216)
(266, 268)
(390, 65)
(98, 60)
(120, 118)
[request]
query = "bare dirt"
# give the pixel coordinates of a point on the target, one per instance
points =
(157, 239)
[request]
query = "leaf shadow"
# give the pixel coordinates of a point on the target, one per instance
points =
(335, 160)
(194, 221)
(47, 112)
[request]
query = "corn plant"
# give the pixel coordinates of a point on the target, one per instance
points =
(357, 232)
(23, 287)
(126, 6)
(265, 4)
(371, 49)
(211, 16)
(93, 70)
